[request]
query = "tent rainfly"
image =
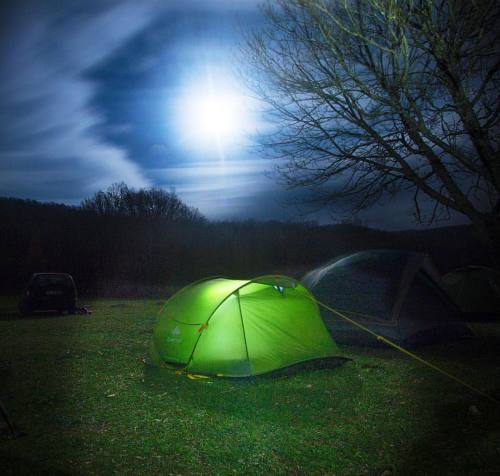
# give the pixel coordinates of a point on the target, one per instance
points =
(239, 328)
(394, 293)
(476, 290)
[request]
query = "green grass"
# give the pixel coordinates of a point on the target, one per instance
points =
(78, 387)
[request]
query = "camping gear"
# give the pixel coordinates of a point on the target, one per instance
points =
(476, 290)
(48, 292)
(239, 328)
(394, 293)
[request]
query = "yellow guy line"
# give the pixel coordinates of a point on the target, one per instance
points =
(407, 352)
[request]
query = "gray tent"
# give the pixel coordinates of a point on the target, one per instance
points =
(395, 293)
(476, 290)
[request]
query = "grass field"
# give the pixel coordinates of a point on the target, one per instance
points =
(78, 388)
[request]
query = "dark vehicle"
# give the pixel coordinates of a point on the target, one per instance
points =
(49, 292)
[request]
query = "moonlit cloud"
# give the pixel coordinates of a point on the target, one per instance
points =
(46, 150)
(90, 95)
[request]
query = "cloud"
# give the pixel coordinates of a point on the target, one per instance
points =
(61, 179)
(45, 114)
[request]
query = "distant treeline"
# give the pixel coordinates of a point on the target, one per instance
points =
(126, 242)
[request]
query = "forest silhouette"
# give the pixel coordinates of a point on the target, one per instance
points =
(154, 242)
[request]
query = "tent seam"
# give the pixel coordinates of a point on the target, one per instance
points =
(244, 333)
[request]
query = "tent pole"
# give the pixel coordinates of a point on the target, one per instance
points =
(243, 327)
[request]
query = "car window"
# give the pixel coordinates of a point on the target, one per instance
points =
(46, 280)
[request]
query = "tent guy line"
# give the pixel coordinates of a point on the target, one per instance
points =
(405, 351)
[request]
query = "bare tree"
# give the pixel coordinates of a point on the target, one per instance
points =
(120, 200)
(375, 96)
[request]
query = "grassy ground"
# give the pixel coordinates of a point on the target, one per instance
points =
(77, 386)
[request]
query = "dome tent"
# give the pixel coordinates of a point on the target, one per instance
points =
(239, 328)
(476, 290)
(394, 293)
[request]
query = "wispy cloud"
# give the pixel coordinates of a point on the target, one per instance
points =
(44, 102)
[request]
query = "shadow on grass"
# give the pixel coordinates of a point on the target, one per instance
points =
(154, 377)
(328, 363)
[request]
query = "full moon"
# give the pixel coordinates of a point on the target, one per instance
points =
(212, 117)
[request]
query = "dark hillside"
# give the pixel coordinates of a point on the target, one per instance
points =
(140, 255)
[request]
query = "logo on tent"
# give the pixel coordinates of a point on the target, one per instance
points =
(175, 336)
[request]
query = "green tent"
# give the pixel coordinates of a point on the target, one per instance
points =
(238, 328)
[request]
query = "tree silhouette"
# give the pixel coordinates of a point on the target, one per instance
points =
(375, 96)
(120, 200)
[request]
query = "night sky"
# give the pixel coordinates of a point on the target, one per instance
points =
(96, 92)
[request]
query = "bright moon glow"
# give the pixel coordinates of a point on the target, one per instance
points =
(212, 117)
(216, 117)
